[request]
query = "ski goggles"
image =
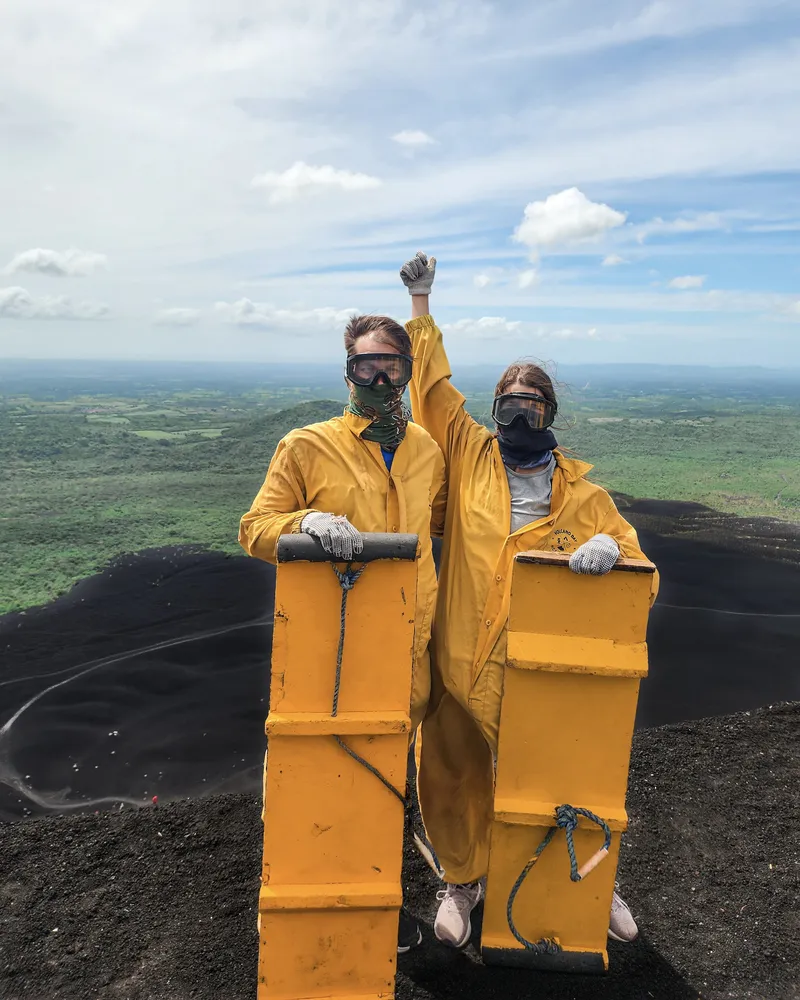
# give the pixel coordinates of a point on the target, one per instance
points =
(366, 369)
(537, 412)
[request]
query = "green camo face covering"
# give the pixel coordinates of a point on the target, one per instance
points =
(384, 406)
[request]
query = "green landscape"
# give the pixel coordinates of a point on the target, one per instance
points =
(100, 459)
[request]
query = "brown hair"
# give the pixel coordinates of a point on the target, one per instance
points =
(384, 328)
(531, 375)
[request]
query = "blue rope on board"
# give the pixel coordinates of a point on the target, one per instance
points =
(347, 581)
(567, 820)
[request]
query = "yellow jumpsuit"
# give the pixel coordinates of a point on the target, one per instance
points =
(329, 467)
(459, 733)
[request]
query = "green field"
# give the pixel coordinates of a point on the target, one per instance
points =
(88, 475)
(203, 432)
(718, 461)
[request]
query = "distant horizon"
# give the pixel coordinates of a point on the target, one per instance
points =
(333, 365)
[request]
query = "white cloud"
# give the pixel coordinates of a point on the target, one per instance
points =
(241, 88)
(57, 263)
(413, 138)
(177, 317)
(659, 301)
(244, 312)
(608, 26)
(687, 223)
(613, 260)
(500, 328)
(506, 277)
(791, 309)
(301, 178)
(566, 218)
(688, 281)
(485, 328)
(17, 303)
(786, 226)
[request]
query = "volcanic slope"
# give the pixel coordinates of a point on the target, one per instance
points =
(160, 903)
(152, 677)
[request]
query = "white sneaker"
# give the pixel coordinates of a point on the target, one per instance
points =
(622, 926)
(456, 903)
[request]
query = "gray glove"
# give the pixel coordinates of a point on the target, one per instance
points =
(418, 274)
(338, 536)
(595, 557)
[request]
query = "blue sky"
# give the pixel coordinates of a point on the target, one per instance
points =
(599, 182)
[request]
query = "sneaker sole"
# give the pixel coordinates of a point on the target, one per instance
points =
(622, 940)
(402, 949)
(461, 944)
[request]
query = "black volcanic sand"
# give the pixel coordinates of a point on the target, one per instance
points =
(152, 677)
(160, 903)
(162, 663)
(723, 635)
(158, 668)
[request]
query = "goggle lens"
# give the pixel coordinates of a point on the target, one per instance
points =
(364, 369)
(538, 412)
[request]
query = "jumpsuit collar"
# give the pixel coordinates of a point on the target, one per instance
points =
(357, 425)
(572, 468)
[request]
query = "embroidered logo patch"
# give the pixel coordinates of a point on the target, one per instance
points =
(562, 541)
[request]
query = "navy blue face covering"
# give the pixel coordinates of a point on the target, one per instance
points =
(522, 447)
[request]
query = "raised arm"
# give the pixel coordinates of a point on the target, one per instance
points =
(435, 402)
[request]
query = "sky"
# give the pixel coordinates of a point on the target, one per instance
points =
(599, 182)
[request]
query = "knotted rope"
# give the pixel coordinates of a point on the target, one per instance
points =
(347, 581)
(567, 820)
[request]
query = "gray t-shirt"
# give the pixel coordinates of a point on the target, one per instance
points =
(530, 494)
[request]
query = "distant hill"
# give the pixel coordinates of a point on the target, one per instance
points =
(270, 427)
(257, 438)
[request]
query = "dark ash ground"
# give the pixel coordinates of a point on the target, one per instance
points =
(152, 679)
(160, 904)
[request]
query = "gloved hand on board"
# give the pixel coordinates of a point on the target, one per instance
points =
(418, 274)
(337, 535)
(595, 557)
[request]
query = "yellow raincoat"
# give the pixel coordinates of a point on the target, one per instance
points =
(329, 467)
(459, 734)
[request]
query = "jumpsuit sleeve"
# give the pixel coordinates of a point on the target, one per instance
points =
(624, 534)
(439, 493)
(436, 404)
(278, 509)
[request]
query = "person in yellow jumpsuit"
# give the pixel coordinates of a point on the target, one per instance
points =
(370, 470)
(508, 492)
